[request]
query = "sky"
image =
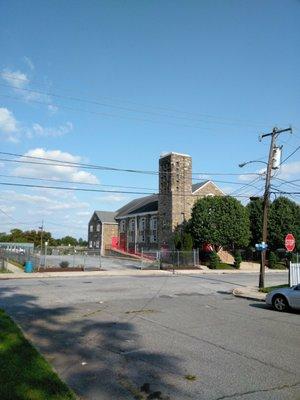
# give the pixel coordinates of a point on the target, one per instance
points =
(118, 83)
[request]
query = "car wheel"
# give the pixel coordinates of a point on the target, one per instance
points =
(280, 303)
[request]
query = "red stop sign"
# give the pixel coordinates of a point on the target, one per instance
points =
(289, 242)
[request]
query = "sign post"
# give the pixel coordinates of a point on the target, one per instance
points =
(289, 243)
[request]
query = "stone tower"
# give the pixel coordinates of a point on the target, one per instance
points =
(175, 195)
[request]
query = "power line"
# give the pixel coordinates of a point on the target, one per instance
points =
(290, 155)
(94, 190)
(104, 168)
(196, 116)
(5, 213)
(101, 185)
(72, 182)
(108, 114)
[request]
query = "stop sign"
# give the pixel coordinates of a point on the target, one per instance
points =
(289, 242)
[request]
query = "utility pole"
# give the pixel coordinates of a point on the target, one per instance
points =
(266, 200)
(42, 231)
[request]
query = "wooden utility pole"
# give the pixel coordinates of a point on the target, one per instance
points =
(266, 200)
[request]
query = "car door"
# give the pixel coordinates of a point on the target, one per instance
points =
(294, 297)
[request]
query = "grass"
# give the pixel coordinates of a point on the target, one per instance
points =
(224, 266)
(4, 271)
(16, 264)
(270, 288)
(24, 373)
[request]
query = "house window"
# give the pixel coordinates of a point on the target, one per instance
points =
(97, 244)
(182, 217)
(142, 237)
(132, 225)
(131, 236)
(91, 244)
(98, 227)
(153, 223)
(153, 237)
(142, 224)
(122, 226)
(91, 228)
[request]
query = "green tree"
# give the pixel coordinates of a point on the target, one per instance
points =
(177, 240)
(69, 240)
(284, 218)
(187, 241)
(237, 260)
(214, 260)
(221, 221)
(255, 210)
(272, 260)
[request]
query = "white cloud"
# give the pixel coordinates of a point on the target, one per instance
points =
(9, 126)
(289, 170)
(15, 78)
(112, 198)
(20, 84)
(38, 130)
(28, 62)
(12, 130)
(83, 213)
(52, 108)
(56, 172)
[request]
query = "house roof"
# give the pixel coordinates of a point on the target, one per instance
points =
(198, 185)
(140, 205)
(137, 206)
(106, 216)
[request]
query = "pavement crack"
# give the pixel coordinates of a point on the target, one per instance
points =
(219, 346)
(239, 394)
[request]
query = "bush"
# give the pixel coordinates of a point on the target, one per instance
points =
(187, 242)
(272, 260)
(214, 260)
(237, 260)
(64, 264)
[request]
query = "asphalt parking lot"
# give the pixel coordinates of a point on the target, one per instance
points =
(185, 336)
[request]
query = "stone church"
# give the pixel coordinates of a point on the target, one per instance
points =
(149, 222)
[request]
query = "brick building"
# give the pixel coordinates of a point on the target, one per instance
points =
(149, 222)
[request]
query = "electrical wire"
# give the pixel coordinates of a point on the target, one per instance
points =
(213, 118)
(94, 190)
(61, 163)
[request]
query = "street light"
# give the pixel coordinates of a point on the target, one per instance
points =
(251, 162)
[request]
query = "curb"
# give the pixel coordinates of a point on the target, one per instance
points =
(124, 272)
(256, 296)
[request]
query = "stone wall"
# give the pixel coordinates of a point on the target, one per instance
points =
(175, 195)
(95, 236)
(110, 230)
(141, 239)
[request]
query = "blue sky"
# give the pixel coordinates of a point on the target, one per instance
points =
(199, 77)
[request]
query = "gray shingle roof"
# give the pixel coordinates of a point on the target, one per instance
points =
(140, 205)
(198, 185)
(106, 216)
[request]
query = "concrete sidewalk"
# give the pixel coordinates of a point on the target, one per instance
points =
(123, 272)
(249, 293)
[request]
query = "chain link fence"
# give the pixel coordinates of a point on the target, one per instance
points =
(68, 258)
(170, 259)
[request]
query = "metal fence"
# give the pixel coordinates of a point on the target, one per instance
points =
(68, 257)
(56, 257)
(294, 274)
(169, 259)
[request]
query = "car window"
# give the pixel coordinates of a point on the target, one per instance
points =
(297, 287)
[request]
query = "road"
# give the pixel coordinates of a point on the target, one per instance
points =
(186, 336)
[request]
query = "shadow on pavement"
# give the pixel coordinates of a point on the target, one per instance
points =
(97, 359)
(264, 306)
